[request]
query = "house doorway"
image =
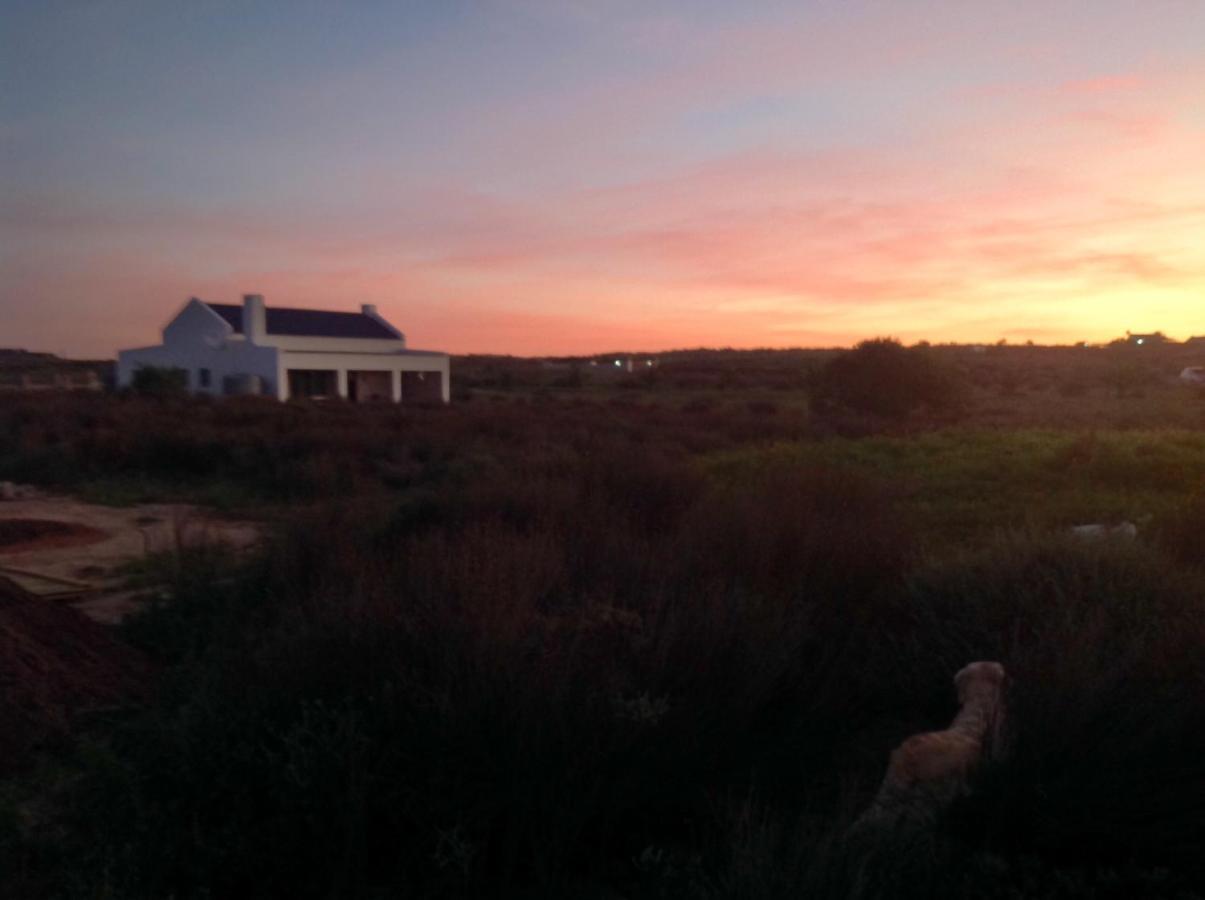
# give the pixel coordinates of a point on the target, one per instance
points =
(369, 387)
(313, 383)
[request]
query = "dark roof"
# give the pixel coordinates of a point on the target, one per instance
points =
(308, 322)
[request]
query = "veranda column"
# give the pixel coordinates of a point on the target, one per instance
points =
(341, 383)
(395, 385)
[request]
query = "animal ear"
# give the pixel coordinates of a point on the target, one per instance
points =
(962, 674)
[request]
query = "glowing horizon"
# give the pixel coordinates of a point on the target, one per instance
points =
(544, 177)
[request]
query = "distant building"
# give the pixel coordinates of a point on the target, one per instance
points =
(624, 363)
(1145, 340)
(24, 371)
(15, 358)
(70, 379)
(283, 353)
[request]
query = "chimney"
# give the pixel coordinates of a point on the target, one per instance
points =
(370, 310)
(255, 325)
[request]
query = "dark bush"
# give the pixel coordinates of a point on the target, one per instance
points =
(514, 689)
(159, 381)
(883, 378)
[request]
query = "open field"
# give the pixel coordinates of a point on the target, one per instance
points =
(646, 635)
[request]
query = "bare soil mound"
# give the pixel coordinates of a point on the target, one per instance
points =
(55, 665)
(32, 534)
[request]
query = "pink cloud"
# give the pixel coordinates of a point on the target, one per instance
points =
(1091, 188)
(1125, 83)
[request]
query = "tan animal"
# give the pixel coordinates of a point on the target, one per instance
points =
(929, 771)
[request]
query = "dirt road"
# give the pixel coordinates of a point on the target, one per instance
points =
(70, 542)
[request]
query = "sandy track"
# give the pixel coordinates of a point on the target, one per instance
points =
(113, 536)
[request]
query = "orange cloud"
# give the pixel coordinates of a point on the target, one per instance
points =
(1066, 208)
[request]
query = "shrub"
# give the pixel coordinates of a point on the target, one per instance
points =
(159, 381)
(883, 378)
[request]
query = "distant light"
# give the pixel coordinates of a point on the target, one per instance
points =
(618, 363)
(1139, 341)
(648, 362)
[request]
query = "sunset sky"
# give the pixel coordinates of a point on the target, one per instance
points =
(574, 176)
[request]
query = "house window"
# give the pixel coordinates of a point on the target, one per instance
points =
(312, 383)
(204, 378)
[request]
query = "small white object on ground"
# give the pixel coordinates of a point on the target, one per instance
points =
(1098, 531)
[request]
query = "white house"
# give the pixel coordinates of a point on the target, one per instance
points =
(283, 353)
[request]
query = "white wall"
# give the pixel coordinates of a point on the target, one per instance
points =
(196, 323)
(197, 338)
(129, 361)
(227, 360)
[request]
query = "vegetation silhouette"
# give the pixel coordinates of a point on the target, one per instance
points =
(883, 378)
(591, 641)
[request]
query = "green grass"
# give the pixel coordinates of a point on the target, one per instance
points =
(963, 485)
(223, 495)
